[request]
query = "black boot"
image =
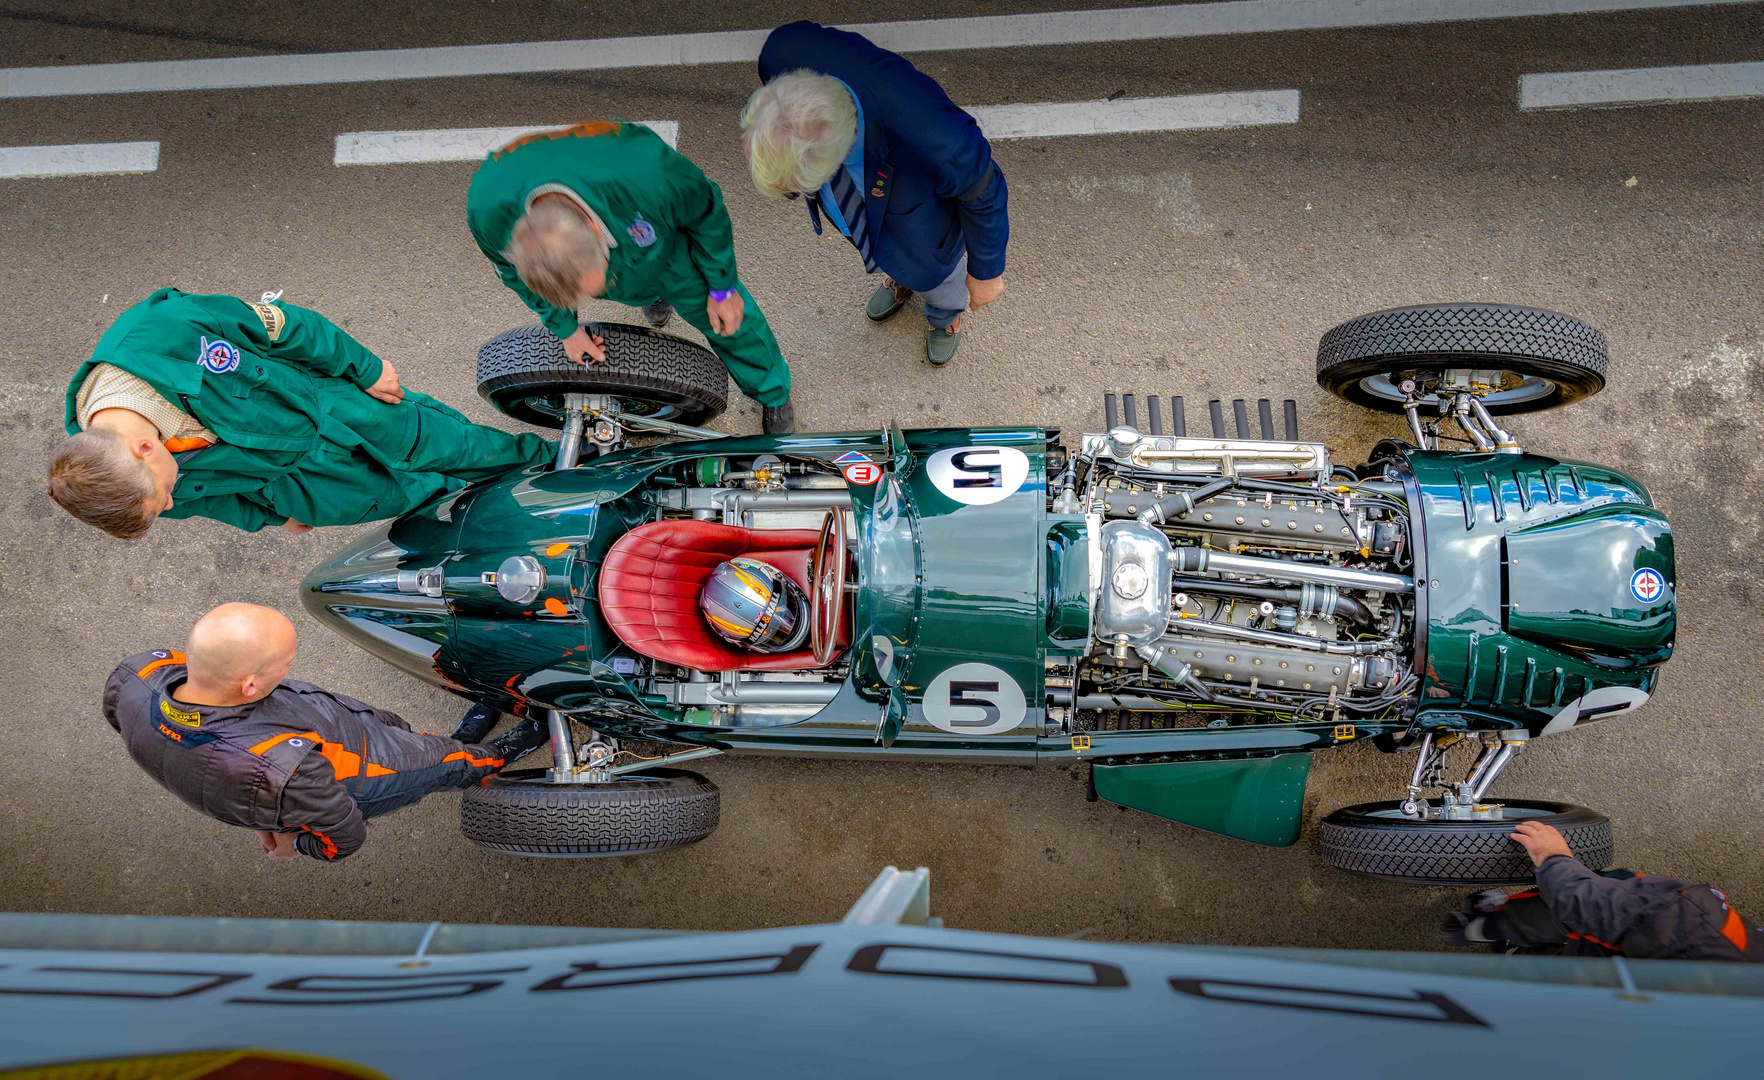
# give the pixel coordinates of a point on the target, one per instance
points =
(778, 419)
(476, 724)
(658, 313)
(522, 739)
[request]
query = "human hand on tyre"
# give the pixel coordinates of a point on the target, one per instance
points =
(585, 348)
(276, 845)
(1540, 841)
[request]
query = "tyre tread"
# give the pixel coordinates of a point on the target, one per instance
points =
(582, 820)
(638, 360)
(1460, 853)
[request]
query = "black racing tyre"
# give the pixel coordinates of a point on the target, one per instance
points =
(519, 813)
(525, 375)
(1376, 840)
(1545, 358)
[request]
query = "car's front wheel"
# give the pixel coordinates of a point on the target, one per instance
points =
(520, 812)
(1524, 359)
(526, 375)
(1379, 840)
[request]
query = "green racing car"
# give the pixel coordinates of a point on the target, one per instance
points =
(1192, 616)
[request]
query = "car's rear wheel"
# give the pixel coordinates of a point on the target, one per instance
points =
(525, 374)
(1378, 840)
(520, 812)
(1532, 359)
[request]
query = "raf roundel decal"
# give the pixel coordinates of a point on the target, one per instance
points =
(1647, 585)
(219, 356)
(978, 475)
(863, 473)
(974, 699)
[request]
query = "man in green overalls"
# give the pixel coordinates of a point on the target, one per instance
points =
(608, 209)
(257, 414)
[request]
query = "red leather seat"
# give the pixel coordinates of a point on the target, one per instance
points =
(650, 580)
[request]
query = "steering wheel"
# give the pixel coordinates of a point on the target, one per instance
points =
(827, 587)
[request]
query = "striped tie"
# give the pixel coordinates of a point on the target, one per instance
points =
(850, 201)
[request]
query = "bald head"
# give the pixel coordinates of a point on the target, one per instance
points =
(239, 653)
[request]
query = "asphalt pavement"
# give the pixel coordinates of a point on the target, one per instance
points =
(1205, 263)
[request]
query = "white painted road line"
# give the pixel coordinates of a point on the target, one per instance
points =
(79, 159)
(451, 144)
(743, 46)
(1641, 86)
(1137, 114)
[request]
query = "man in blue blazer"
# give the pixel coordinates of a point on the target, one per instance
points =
(879, 151)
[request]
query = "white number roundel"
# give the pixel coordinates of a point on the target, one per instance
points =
(978, 475)
(973, 699)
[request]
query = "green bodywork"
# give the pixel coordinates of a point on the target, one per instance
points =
(1528, 564)
(1259, 799)
(943, 583)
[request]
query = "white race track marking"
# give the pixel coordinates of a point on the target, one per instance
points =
(1641, 86)
(1137, 114)
(743, 46)
(997, 121)
(79, 159)
(451, 144)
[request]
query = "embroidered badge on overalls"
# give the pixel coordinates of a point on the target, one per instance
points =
(219, 356)
(642, 233)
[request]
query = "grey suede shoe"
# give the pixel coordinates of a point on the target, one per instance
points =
(889, 297)
(658, 314)
(940, 345)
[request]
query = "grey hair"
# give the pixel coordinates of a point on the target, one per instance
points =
(796, 131)
(553, 245)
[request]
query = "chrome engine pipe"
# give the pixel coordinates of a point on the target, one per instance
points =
(1503, 439)
(763, 692)
(795, 499)
(1202, 627)
(569, 444)
(1502, 758)
(1191, 560)
(1461, 413)
(563, 752)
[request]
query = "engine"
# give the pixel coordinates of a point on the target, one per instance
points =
(1236, 581)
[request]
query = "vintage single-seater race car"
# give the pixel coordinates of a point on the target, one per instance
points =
(1191, 615)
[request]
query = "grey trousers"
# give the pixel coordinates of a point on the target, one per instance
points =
(950, 298)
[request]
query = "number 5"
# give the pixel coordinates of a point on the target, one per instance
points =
(958, 698)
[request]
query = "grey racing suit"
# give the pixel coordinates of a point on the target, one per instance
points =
(302, 760)
(1579, 912)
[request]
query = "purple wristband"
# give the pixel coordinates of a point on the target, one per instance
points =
(720, 295)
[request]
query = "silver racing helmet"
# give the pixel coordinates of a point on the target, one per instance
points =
(755, 606)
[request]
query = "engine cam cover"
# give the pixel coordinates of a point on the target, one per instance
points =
(1132, 603)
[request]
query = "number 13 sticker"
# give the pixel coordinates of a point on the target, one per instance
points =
(974, 699)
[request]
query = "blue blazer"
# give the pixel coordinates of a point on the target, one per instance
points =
(932, 186)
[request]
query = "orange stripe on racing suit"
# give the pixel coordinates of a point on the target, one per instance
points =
(172, 656)
(474, 762)
(327, 845)
(586, 129)
(1734, 930)
(345, 764)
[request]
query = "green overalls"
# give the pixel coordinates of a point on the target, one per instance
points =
(300, 438)
(672, 233)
